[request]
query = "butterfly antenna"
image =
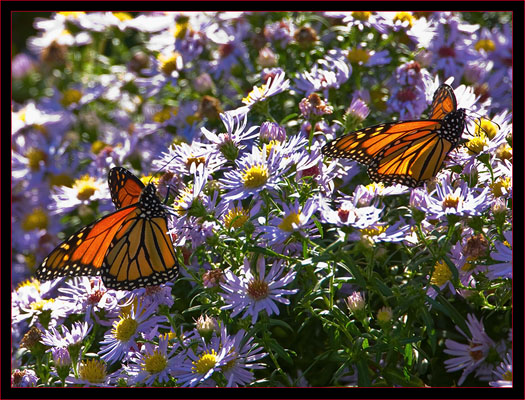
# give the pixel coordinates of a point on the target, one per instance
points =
(161, 168)
(477, 121)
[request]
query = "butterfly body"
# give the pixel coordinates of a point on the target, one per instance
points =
(129, 248)
(406, 152)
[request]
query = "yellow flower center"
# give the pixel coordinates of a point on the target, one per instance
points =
(358, 55)
(72, 14)
(61, 180)
(288, 222)
(230, 364)
(451, 201)
(164, 114)
(500, 186)
(36, 220)
(170, 63)
(93, 371)
(85, 187)
(487, 127)
(197, 160)
(97, 146)
(384, 314)
(205, 362)
(255, 176)
(182, 24)
(477, 144)
(71, 96)
(375, 185)
(236, 217)
(122, 16)
(441, 274)
(374, 231)
(468, 266)
(270, 145)
(181, 203)
(485, 44)
(404, 16)
(125, 328)
(361, 15)
(154, 363)
(33, 282)
(39, 305)
(256, 94)
(507, 376)
(504, 152)
(34, 157)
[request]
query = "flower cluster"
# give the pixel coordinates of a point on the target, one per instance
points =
(295, 270)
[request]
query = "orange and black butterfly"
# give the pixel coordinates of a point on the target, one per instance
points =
(406, 152)
(128, 248)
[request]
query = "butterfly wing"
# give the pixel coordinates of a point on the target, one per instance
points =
(141, 252)
(83, 253)
(406, 152)
(125, 187)
(444, 102)
(414, 157)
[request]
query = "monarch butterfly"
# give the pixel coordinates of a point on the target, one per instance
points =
(406, 152)
(129, 248)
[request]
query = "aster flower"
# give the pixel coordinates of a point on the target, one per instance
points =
(442, 277)
(256, 292)
(232, 50)
(327, 73)
(503, 253)
(164, 69)
(234, 215)
(230, 142)
(452, 49)
(410, 99)
(67, 338)
(243, 356)
(46, 313)
(153, 363)
(367, 57)
(122, 337)
(54, 31)
(280, 31)
(348, 213)
(503, 373)
(62, 361)
(89, 296)
(33, 115)
(183, 159)
(195, 368)
(295, 219)
(382, 232)
(363, 20)
(358, 110)
(273, 86)
(468, 357)
(254, 172)
(84, 190)
(91, 372)
(461, 201)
